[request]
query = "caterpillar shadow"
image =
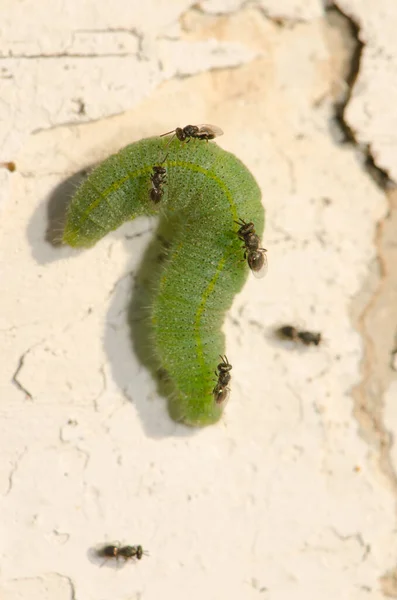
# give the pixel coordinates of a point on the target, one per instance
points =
(130, 339)
(52, 213)
(145, 283)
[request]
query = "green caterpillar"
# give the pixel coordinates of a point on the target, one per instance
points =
(194, 267)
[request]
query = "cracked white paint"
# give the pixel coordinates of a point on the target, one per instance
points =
(290, 10)
(218, 7)
(293, 10)
(184, 58)
(391, 418)
(83, 63)
(371, 112)
(46, 587)
(283, 498)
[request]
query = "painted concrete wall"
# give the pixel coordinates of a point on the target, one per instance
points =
(293, 494)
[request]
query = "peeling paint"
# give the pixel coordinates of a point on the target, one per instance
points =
(308, 485)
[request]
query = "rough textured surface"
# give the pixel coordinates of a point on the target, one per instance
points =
(371, 112)
(293, 493)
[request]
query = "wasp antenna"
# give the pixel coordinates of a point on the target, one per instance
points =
(171, 138)
(165, 158)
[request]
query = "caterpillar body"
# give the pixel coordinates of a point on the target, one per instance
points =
(193, 283)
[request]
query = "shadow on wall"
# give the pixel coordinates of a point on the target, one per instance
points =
(127, 335)
(53, 213)
(130, 311)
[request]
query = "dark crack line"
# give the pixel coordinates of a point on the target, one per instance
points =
(57, 55)
(351, 78)
(71, 585)
(14, 469)
(281, 22)
(130, 30)
(103, 390)
(129, 275)
(358, 538)
(139, 234)
(378, 175)
(15, 379)
(278, 21)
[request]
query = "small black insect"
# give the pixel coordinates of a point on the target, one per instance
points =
(127, 552)
(200, 132)
(221, 391)
(256, 257)
(308, 338)
(109, 551)
(132, 552)
(287, 332)
(140, 552)
(158, 179)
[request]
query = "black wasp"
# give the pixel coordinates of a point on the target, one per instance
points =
(132, 552)
(158, 179)
(256, 257)
(200, 132)
(308, 338)
(127, 552)
(221, 391)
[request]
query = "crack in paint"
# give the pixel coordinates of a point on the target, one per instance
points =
(15, 379)
(358, 538)
(379, 176)
(368, 405)
(14, 469)
(57, 55)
